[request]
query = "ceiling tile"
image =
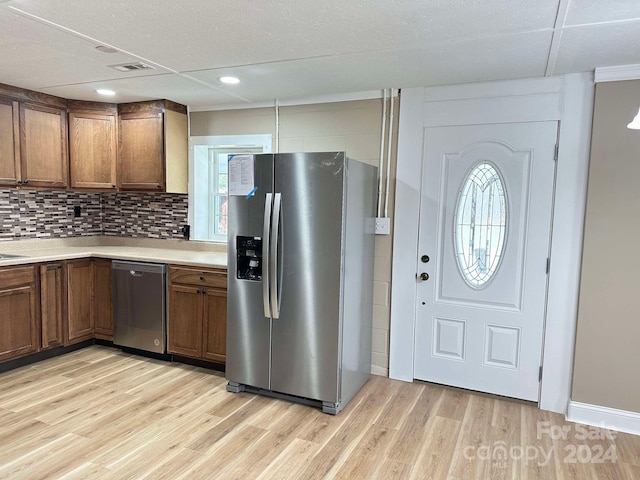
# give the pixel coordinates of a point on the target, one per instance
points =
(582, 12)
(201, 34)
(480, 60)
(33, 55)
(170, 86)
(584, 48)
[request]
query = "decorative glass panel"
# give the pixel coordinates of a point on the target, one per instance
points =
(480, 225)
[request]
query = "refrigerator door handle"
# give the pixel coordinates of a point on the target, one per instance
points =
(266, 236)
(273, 261)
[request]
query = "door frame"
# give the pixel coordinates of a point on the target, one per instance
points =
(567, 99)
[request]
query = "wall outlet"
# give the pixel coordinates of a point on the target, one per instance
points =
(383, 226)
(76, 211)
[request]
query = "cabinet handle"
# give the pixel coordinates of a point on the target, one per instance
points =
(113, 186)
(202, 279)
(19, 182)
(204, 292)
(25, 182)
(159, 186)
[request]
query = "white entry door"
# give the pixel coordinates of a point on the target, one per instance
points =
(485, 220)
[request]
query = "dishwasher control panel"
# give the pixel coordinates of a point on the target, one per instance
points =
(249, 258)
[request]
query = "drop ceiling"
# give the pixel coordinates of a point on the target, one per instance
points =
(285, 49)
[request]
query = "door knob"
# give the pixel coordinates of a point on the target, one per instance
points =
(424, 276)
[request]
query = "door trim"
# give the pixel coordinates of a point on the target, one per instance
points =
(567, 98)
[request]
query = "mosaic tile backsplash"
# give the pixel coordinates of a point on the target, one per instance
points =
(28, 214)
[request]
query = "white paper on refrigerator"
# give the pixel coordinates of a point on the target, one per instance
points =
(241, 179)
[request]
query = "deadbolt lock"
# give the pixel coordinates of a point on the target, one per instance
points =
(424, 258)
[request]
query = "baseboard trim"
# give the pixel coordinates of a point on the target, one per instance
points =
(611, 418)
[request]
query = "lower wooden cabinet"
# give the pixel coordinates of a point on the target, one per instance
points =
(102, 310)
(80, 320)
(89, 312)
(19, 328)
(197, 313)
(52, 305)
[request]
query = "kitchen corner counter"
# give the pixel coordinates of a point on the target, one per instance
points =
(201, 254)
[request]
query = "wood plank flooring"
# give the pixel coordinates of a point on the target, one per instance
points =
(99, 413)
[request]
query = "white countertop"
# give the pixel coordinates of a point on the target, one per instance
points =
(202, 254)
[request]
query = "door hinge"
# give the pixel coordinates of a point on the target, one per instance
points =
(540, 374)
(555, 153)
(548, 265)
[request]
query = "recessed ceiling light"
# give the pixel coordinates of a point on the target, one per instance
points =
(105, 49)
(104, 91)
(229, 80)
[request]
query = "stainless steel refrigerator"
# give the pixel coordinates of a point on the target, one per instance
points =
(300, 276)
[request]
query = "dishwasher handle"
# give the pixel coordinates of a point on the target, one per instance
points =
(136, 273)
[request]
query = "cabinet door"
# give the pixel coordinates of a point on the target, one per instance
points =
(92, 150)
(185, 321)
(102, 299)
(43, 146)
(9, 143)
(51, 304)
(18, 313)
(141, 158)
(80, 322)
(215, 325)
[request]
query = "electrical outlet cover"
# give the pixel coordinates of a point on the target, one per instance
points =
(383, 226)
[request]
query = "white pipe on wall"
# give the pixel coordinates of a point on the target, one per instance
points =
(381, 163)
(386, 193)
(277, 141)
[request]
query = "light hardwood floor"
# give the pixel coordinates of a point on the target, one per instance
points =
(99, 413)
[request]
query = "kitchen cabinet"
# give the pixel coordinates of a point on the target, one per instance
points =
(80, 322)
(43, 146)
(33, 139)
(102, 299)
(9, 142)
(18, 312)
(153, 149)
(52, 304)
(92, 145)
(197, 313)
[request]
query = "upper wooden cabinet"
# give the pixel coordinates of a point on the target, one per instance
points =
(153, 148)
(33, 139)
(9, 142)
(92, 145)
(43, 146)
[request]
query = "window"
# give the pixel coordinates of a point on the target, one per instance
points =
(480, 225)
(208, 176)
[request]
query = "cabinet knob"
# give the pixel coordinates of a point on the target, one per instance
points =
(202, 279)
(113, 186)
(19, 182)
(25, 182)
(159, 186)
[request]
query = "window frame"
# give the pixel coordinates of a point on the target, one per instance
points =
(218, 143)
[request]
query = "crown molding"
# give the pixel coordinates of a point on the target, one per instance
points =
(617, 73)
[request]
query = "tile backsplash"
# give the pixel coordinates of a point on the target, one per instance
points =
(29, 214)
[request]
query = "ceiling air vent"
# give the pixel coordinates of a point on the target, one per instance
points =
(129, 67)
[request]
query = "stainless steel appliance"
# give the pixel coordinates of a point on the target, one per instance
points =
(139, 305)
(300, 277)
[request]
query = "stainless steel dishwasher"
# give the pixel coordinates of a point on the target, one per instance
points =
(139, 305)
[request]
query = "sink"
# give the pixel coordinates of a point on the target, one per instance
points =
(9, 256)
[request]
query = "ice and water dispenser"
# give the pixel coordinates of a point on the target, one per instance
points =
(249, 258)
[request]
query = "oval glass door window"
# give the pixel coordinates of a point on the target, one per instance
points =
(480, 225)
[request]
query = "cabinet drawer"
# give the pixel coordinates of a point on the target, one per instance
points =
(202, 276)
(17, 276)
